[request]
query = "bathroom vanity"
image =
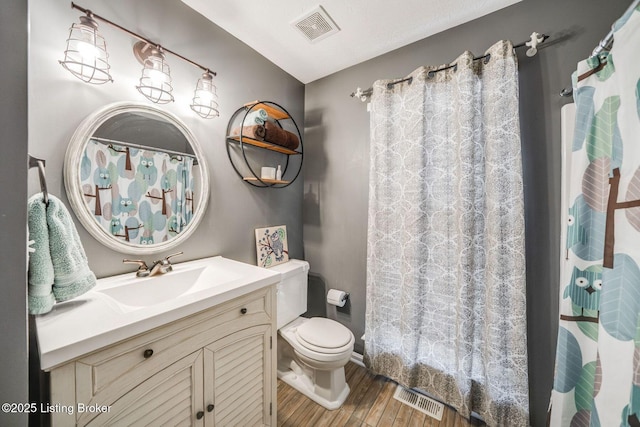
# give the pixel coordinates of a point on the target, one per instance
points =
(192, 347)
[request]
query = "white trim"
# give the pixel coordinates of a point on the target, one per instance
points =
(357, 359)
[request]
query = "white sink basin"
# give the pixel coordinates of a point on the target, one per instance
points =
(183, 280)
(123, 306)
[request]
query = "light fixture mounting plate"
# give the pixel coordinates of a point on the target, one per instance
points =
(142, 50)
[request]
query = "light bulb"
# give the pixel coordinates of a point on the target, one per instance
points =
(204, 97)
(155, 83)
(86, 54)
(88, 51)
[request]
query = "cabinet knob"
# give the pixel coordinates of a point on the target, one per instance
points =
(199, 415)
(210, 407)
(243, 310)
(147, 353)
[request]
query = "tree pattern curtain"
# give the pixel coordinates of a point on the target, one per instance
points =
(597, 376)
(140, 196)
(446, 307)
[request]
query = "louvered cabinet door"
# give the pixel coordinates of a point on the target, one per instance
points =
(238, 379)
(172, 397)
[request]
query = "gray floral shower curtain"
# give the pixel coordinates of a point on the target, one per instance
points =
(445, 257)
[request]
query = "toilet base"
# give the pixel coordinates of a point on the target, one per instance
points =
(318, 376)
(304, 385)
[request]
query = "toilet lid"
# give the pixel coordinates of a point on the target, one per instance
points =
(323, 333)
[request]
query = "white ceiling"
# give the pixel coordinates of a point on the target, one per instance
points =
(368, 28)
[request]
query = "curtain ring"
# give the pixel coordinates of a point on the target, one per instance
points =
(455, 67)
(431, 74)
(487, 58)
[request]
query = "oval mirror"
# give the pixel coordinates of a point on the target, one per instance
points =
(136, 178)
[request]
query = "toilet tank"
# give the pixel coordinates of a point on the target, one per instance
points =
(292, 290)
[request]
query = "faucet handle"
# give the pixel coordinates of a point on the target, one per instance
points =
(163, 265)
(142, 266)
(172, 255)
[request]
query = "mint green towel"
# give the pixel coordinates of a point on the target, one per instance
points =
(58, 269)
(256, 117)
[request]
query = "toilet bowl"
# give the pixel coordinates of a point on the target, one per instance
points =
(312, 352)
(312, 361)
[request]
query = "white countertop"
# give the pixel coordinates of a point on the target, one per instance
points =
(95, 319)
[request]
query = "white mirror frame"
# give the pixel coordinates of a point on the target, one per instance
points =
(72, 162)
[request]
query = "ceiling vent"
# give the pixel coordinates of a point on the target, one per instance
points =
(316, 25)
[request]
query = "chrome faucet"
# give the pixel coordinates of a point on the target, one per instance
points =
(159, 267)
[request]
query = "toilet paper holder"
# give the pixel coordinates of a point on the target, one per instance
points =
(337, 297)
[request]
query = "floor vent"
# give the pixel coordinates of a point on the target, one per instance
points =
(316, 25)
(418, 401)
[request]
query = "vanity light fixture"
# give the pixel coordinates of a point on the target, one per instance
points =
(86, 58)
(155, 83)
(86, 54)
(205, 97)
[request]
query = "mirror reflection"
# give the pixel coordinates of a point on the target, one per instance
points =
(139, 179)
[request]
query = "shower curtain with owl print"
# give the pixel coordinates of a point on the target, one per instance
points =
(137, 195)
(597, 375)
(446, 308)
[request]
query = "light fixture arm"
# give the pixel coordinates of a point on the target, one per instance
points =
(139, 37)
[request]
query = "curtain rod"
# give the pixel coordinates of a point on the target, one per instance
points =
(605, 44)
(139, 37)
(359, 93)
(110, 142)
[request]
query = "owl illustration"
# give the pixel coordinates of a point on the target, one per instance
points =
(147, 169)
(116, 227)
(127, 205)
(277, 246)
(102, 178)
(576, 233)
(584, 288)
(146, 240)
(585, 230)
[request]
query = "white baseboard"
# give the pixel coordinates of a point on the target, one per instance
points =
(357, 359)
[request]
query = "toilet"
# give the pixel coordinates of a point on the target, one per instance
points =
(311, 352)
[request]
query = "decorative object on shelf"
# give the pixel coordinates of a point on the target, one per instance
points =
(268, 172)
(271, 246)
(86, 58)
(86, 54)
(263, 132)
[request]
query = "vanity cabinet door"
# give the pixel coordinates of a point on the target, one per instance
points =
(238, 379)
(172, 396)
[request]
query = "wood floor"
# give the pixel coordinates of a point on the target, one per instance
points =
(369, 404)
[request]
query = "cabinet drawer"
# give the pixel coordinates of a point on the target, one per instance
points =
(103, 376)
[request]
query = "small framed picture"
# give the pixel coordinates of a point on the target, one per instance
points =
(271, 246)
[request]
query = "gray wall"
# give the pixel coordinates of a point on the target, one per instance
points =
(337, 132)
(13, 209)
(58, 102)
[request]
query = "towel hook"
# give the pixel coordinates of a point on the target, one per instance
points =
(40, 163)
